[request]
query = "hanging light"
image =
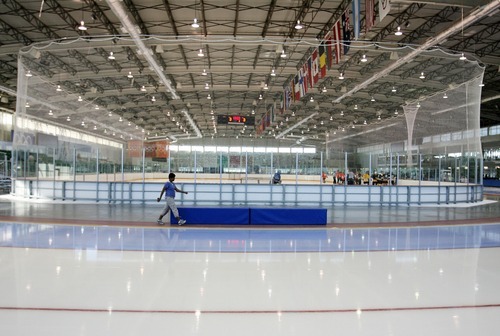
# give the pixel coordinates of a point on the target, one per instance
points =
(266, 87)
(445, 96)
(341, 113)
(298, 25)
(324, 90)
(379, 117)
(68, 119)
(195, 23)
(111, 56)
(418, 104)
(260, 96)
(29, 74)
(364, 59)
(398, 31)
(51, 113)
(58, 89)
(153, 99)
(393, 89)
(283, 55)
(80, 98)
(96, 107)
(341, 76)
(312, 99)
(82, 26)
(209, 97)
(207, 87)
(130, 75)
(355, 106)
(373, 99)
(143, 88)
(422, 76)
(462, 57)
(200, 53)
(204, 73)
(273, 72)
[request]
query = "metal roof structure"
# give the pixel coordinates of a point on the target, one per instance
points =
(173, 79)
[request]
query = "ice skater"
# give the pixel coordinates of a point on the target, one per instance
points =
(169, 189)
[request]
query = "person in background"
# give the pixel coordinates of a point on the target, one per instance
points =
(324, 175)
(277, 177)
(169, 189)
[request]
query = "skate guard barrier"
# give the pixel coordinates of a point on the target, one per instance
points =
(251, 216)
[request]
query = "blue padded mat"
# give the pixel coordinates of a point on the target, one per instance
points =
(284, 216)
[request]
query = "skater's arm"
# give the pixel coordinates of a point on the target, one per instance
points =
(161, 195)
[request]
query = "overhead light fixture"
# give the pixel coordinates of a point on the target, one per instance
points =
(273, 72)
(29, 74)
(462, 57)
(111, 56)
(364, 123)
(422, 76)
(396, 112)
(418, 104)
(393, 89)
(379, 117)
(200, 53)
(481, 85)
(95, 127)
(341, 113)
(373, 99)
(398, 31)
(341, 76)
(204, 73)
(153, 99)
(298, 25)
(143, 88)
(260, 96)
(207, 87)
(51, 113)
(355, 106)
(68, 119)
(27, 104)
(364, 59)
(324, 90)
(195, 23)
(445, 96)
(80, 98)
(130, 75)
(82, 26)
(312, 99)
(266, 87)
(58, 89)
(283, 55)
(209, 97)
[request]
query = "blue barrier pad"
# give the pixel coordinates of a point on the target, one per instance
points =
(221, 215)
(284, 216)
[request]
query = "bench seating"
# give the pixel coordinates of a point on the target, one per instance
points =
(252, 216)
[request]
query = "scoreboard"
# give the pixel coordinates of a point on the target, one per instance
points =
(233, 119)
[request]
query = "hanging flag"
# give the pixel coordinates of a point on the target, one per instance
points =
(370, 14)
(282, 102)
(322, 59)
(384, 7)
(346, 31)
(356, 17)
(337, 41)
(329, 50)
(315, 68)
(306, 72)
(302, 83)
(288, 98)
(296, 87)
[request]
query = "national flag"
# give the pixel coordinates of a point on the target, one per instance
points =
(329, 50)
(322, 59)
(384, 7)
(282, 102)
(296, 87)
(346, 31)
(356, 17)
(370, 14)
(306, 72)
(301, 84)
(288, 98)
(291, 92)
(315, 67)
(337, 41)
